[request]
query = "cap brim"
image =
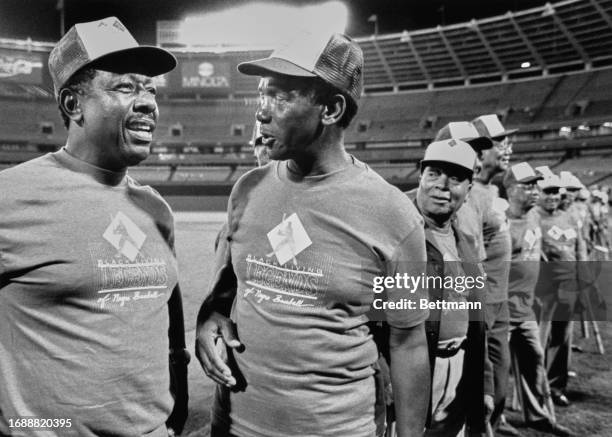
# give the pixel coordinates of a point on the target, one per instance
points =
(469, 171)
(530, 179)
(147, 60)
(480, 143)
(505, 134)
(263, 67)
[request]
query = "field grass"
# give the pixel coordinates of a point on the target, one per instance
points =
(590, 414)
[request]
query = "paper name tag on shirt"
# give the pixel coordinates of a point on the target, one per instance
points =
(555, 232)
(288, 239)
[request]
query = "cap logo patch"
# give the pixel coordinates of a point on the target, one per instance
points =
(117, 24)
(452, 143)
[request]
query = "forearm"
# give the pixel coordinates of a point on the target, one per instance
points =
(410, 378)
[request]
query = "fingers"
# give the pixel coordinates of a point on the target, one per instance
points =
(210, 356)
(228, 334)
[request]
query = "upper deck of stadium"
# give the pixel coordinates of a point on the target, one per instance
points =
(546, 70)
(572, 35)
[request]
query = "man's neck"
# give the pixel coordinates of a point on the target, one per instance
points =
(546, 211)
(327, 157)
(78, 146)
(517, 210)
(485, 175)
(437, 223)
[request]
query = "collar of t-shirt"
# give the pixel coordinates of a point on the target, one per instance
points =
(347, 173)
(103, 176)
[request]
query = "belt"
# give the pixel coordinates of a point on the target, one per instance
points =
(450, 352)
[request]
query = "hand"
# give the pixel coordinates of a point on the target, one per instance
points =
(213, 360)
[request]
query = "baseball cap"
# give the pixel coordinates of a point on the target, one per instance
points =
(336, 59)
(552, 181)
(451, 151)
(490, 126)
(464, 131)
(570, 181)
(105, 44)
(598, 194)
(521, 173)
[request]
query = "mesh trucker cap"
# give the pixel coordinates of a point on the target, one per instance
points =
(521, 173)
(490, 126)
(464, 131)
(336, 59)
(451, 151)
(105, 44)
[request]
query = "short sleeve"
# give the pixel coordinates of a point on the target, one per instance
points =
(408, 268)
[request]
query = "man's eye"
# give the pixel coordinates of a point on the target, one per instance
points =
(152, 90)
(125, 87)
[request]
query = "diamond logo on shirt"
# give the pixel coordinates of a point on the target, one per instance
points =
(288, 239)
(125, 236)
(555, 232)
(530, 238)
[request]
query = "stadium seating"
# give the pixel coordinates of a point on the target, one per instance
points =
(546, 70)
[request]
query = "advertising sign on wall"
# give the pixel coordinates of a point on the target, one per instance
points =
(21, 66)
(205, 76)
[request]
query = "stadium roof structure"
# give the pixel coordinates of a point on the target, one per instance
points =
(538, 41)
(571, 35)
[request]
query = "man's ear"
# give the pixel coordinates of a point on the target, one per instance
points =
(334, 110)
(70, 105)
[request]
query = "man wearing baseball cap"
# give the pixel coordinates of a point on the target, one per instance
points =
(456, 337)
(530, 371)
(558, 286)
(494, 161)
(308, 236)
(470, 216)
(90, 308)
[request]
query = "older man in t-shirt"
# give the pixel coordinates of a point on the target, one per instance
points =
(456, 334)
(530, 371)
(308, 236)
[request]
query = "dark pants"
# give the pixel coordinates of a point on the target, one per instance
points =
(498, 321)
(529, 370)
(556, 336)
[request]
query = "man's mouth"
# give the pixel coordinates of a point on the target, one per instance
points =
(440, 199)
(141, 130)
(267, 140)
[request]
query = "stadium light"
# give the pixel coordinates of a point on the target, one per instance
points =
(565, 132)
(526, 65)
(261, 25)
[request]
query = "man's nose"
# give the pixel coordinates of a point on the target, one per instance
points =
(145, 102)
(442, 181)
(263, 111)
